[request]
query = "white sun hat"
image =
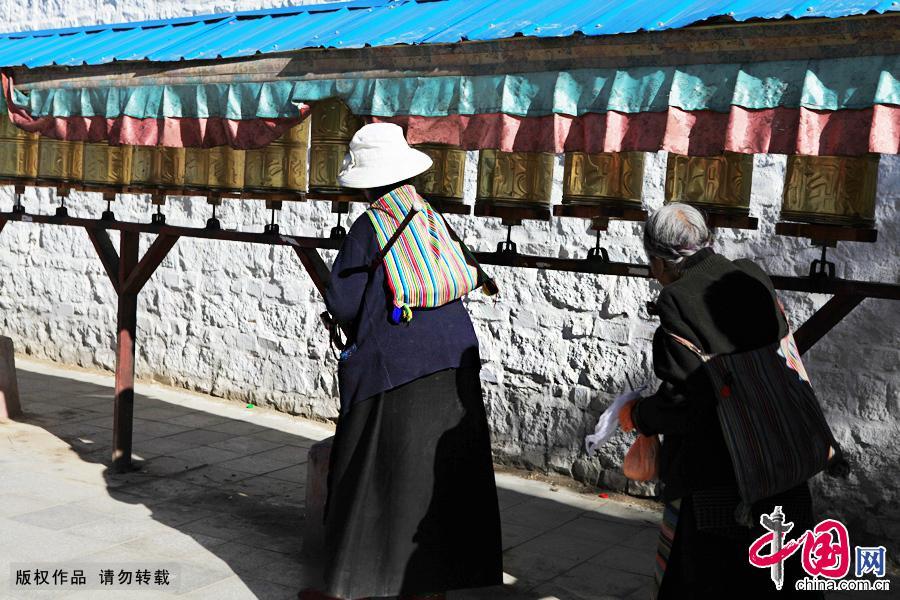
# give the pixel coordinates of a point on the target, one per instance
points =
(379, 155)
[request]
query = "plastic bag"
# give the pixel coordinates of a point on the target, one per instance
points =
(609, 420)
(642, 459)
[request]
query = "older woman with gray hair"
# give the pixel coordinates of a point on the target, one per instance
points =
(721, 306)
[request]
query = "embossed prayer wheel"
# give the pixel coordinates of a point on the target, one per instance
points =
(515, 178)
(605, 179)
(445, 179)
(831, 190)
(220, 168)
(713, 183)
(107, 166)
(281, 165)
(333, 126)
(18, 151)
(157, 167)
(60, 160)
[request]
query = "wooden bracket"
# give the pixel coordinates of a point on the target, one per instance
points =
(107, 253)
(731, 221)
(597, 212)
(823, 320)
(449, 207)
(142, 272)
(512, 215)
(315, 266)
(318, 271)
(822, 234)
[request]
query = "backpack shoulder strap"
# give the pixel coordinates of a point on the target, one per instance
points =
(393, 239)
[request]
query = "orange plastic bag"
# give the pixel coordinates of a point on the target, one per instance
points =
(642, 459)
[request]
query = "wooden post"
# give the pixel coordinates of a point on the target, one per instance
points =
(10, 407)
(128, 276)
(126, 328)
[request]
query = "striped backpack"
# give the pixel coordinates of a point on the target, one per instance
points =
(426, 264)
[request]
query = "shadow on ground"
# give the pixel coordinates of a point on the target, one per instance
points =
(237, 489)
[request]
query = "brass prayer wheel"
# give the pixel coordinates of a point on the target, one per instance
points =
(835, 190)
(218, 168)
(18, 151)
(60, 160)
(333, 126)
(605, 179)
(281, 165)
(714, 183)
(108, 166)
(445, 179)
(157, 166)
(515, 178)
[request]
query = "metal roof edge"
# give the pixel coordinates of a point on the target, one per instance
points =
(207, 18)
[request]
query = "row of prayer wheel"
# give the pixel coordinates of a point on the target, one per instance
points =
(280, 166)
(826, 189)
(831, 190)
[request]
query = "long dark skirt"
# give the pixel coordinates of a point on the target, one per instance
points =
(412, 504)
(713, 562)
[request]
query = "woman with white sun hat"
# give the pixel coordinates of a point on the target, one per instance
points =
(412, 504)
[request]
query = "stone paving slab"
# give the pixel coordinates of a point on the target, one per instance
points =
(221, 492)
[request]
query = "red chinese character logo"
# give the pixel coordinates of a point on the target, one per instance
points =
(826, 548)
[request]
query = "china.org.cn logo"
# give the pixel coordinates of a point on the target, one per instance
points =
(824, 553)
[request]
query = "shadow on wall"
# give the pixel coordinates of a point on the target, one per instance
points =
(237, 489)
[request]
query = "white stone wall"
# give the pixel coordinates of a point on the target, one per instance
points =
(240, 321)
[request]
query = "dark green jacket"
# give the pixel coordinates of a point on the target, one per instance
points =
(722, 307)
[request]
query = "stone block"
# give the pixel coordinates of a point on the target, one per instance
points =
(643, 489)
(613, 480)
(10, 407)
(316, 494)
(586, 471)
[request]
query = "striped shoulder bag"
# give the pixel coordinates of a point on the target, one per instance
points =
(771, 420)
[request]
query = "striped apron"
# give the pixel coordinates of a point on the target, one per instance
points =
(666, 539)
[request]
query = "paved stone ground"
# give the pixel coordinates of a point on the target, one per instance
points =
(220, 493)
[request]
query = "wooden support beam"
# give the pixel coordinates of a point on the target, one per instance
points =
(191, 232)
(126, 329)
(107, 253)
(815, 285)
(148, 264)
(824, 319)
(848, 293)
(836, 286)
(573, 265)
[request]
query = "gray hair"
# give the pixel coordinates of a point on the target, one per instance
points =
(675, 232)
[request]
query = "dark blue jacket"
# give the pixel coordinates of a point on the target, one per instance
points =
(386, 355)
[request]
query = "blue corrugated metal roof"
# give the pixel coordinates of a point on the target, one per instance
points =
(386, 22)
